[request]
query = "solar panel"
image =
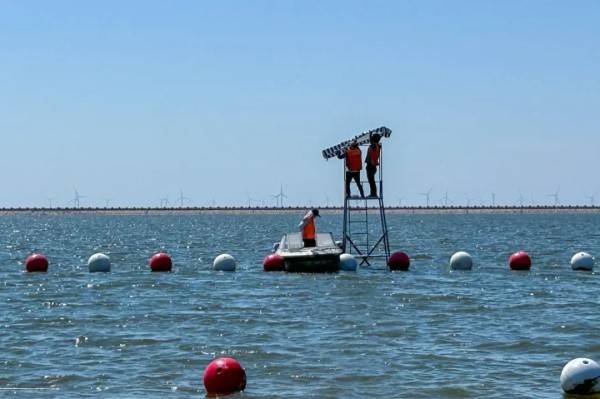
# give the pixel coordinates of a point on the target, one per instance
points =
(361, 139)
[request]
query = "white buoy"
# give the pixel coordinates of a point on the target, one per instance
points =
(461, 261)
(582, 261)
(581, 376)
(99, 263)
(224, 263)
(348, 263)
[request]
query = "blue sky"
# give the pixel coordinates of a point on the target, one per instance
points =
(134, 100)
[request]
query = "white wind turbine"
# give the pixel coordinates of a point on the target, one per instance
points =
(182, 198)
(77, 199)
(280, 196)
(591, 199)
(164, 202)
(427, 196)
(521, 199)
(556, 197)
(445, 199)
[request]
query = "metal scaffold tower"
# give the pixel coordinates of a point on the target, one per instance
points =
(364, 237)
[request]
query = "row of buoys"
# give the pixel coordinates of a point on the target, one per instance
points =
(162, 262)
(99, 262)
(224, 376)
(518, 261)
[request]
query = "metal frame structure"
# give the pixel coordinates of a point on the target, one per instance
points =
(357, 230)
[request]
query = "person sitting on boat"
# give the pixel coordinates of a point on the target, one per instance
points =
(353, 167)
(308, 228)
(372, 161)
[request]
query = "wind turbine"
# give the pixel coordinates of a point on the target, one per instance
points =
(250, 199)
(400, 201)
(76, 201)
(592, 200)
(49, 201)
(468, 201)
(107, 202)
(555, 196)
(493, 199)
(445, 199)
(280, 196)
(521, 199)
(164, 202)
(182, 198)
(427, 196)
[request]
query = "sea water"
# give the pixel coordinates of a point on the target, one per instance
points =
(427, 333)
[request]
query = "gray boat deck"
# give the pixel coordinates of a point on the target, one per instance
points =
(293, 241)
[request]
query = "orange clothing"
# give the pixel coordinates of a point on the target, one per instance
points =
(354, 159)
(373, 154)
(309, 231)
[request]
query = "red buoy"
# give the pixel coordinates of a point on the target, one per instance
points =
(520, 261)
(224, 376)
(399, 261)
(161, 262)
(36, 263)
(274, 263)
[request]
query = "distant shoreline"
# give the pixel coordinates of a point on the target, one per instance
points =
(276, 210)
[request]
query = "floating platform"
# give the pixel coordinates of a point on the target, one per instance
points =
(324, 258)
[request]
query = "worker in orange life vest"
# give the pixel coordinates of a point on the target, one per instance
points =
(353, 167)
(308, 228)
(372, 161)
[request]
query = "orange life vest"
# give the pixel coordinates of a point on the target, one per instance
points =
(309, 229)
(373, 154)
(353, 159)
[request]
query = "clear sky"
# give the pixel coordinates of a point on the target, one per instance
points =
(133, 100)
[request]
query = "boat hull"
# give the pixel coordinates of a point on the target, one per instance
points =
(308, 264)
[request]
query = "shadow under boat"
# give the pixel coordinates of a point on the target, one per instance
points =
(323, 258)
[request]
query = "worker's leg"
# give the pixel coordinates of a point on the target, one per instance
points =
(371, 171)
(348, 178)
(356, 177)
(309, 242)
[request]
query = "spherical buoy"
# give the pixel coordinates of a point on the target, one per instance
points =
(36, 263)
(582, 261)
(580, 376)
(519, 261)
(348, 262)
(274, 263)
(399, 261)
(224, 376)
(161, 262)
(224, 263)
(99, 263)
(461, 261)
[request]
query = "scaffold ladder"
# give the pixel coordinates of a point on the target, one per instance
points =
(364, 236)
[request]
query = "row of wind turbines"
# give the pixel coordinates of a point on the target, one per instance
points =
(446, 201)
(181, 200)
(279, 197)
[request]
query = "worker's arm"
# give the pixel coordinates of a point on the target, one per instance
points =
(304, 221)
(343, 154)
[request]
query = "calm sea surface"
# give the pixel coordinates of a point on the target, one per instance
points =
(427, 333)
